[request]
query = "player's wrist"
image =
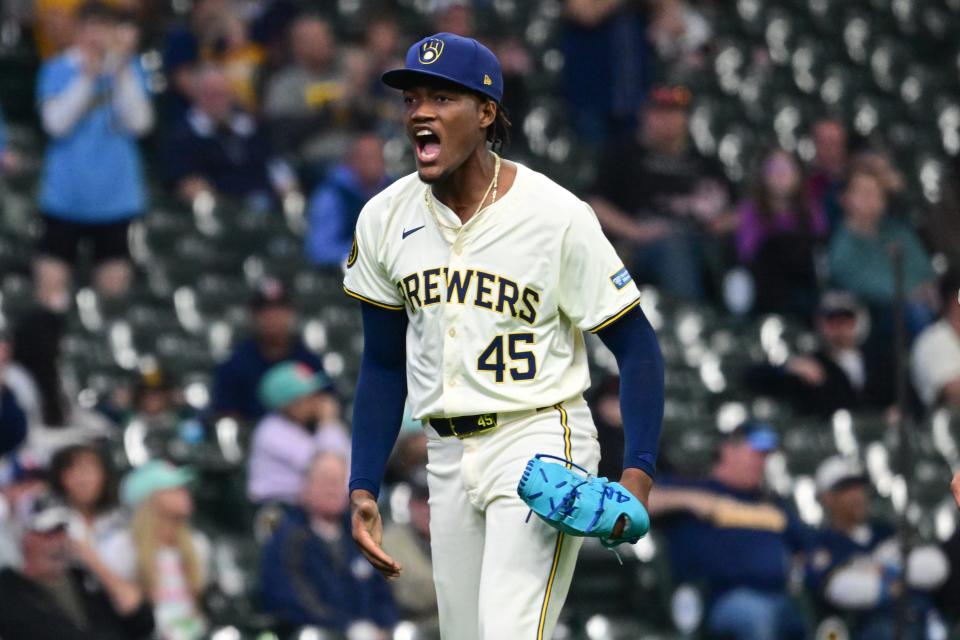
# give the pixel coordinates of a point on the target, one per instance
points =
(638, 482)
(361, 495)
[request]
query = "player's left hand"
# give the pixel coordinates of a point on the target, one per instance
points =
(639, 484)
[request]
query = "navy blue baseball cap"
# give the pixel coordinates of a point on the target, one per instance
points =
(759, 435)
(462, 61)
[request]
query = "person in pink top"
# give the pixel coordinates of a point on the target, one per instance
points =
(777, 236)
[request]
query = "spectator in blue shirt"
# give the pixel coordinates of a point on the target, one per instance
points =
(13, 420)
(727, 536)
(311, 572)
(93, 104)
(221, 150)
(237, 379)
(855, 568)
(335, 204)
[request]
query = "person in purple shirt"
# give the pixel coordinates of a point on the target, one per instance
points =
(777, 235)
(288, 437)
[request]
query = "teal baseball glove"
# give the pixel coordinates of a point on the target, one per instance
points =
(581, 504)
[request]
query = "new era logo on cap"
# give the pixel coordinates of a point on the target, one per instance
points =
(486, 80)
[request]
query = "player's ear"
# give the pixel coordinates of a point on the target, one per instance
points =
(488, 113)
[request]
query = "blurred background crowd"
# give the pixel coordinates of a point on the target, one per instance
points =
(179, 183)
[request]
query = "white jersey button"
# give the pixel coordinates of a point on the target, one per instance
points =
(452, 332)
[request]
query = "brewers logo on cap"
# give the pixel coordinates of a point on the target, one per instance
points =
(431, 50)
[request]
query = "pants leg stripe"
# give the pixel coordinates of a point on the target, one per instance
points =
(567, 452)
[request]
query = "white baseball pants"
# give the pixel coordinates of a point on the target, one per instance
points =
(499, 576)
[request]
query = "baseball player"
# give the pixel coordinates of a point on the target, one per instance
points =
(478, 277)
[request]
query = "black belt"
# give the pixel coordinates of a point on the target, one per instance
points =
(462, 426)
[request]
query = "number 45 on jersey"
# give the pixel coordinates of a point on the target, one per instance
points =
(505, 352)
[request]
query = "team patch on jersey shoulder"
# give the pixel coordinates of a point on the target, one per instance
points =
(621, 278)
(353, 252)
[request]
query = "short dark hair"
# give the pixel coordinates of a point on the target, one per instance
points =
(66, 457)
(498, 133)
(858, 171)
(97, 10)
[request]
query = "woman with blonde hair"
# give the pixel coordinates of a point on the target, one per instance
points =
(161, 551)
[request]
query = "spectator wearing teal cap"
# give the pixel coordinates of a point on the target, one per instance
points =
(287, 438)
(160, 551)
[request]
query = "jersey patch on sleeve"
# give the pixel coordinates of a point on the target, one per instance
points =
(621, 278)
(352, 258)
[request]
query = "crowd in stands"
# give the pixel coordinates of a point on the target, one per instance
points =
(277, 110)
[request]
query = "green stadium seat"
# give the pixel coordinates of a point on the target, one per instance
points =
(806, 444)
(181, 353)
(16, 295)
(164, 228)
(314, 290)
(216, 292)
(18, 70)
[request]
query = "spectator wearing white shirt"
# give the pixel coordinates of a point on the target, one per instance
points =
(935, 360)
(855, 568)
(160, 551)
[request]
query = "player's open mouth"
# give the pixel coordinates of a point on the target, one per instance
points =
(427, 144)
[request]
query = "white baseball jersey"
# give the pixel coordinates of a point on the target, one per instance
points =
(496, 306)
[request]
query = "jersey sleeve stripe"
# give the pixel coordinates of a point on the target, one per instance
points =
(614, 317)
(382, 305)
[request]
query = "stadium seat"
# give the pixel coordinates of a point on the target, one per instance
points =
(16, 295)
(314, 290)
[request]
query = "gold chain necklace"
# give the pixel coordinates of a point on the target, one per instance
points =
(492, 186)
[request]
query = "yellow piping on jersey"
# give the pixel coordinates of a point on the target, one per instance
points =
(567, 444)
(567, 453)
(382, 305)
(546, 595)
(614, 317)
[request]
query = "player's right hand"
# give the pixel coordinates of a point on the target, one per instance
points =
(368, 532)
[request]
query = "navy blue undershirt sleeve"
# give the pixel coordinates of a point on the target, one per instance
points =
(634, 344)
(381, 392)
